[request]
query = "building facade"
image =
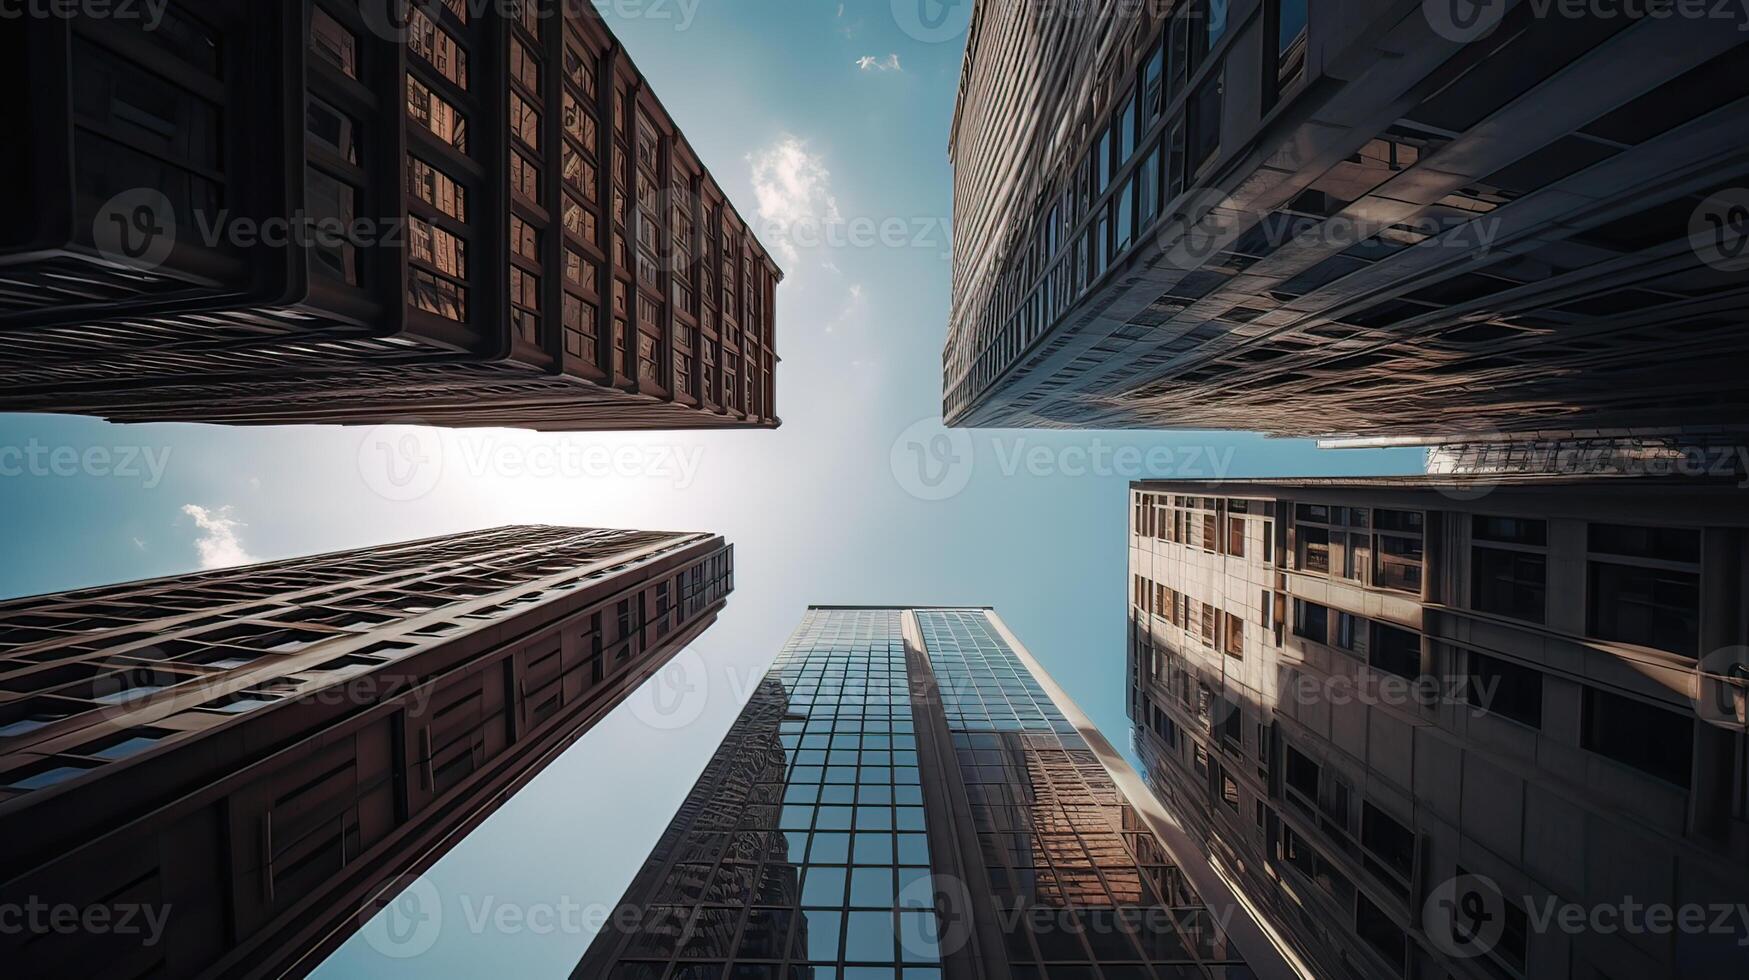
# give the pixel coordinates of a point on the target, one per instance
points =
(316, 211)
(908, 796)
(1420, 714)
(252, 758)
(1356, 220)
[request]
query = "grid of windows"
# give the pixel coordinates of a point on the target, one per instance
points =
(802, 852)
(1079, 883)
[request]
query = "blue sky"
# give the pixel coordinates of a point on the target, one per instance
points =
(812, 116)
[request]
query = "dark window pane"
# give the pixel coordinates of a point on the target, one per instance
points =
(1651, 739)
(1505, 688)
(1509, 583)
(1651, 607)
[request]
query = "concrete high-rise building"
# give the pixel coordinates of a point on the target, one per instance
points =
(1417, 714)
(226, 769)
(326, 211)
(908, 796)
(1378, 220)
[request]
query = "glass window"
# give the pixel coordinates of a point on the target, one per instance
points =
(1652, 607)
(1651, 739)
(1505, 688)
(1509, 583)
(1126, 131)
(1395, 650)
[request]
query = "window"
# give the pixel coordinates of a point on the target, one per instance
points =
(1311, 621)
(1126, 216)
(1235, 636)
(333, 201)
(436, 188)
(1386, 937)
(1153, 87)
(1148, 189)
(1505, 578)
(1391, 843)
(435, 45)
(333, 42)
(1652, 598)
(1236, 537)
(1504, 688)
(1232, 723)
(1203, 113)
(1102, 163)
(1314, 549)
(436, 115)
(1651, 739)
(1301, 774)
(1396, 651)
(1290, 41)
(1397, 560)
(1126, 132)
(1350, 631)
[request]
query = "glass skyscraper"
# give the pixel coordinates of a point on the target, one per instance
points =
(908, 797)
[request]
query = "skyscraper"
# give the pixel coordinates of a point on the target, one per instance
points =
(1419, 714)
(1381, 220)
(908, 796)
(344, 211)
(243, 759)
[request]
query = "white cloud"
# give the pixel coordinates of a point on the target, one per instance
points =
(219, 547)
(793, 191)
(141, 545)
(848, 28)
(869, 62)
(853, 311)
